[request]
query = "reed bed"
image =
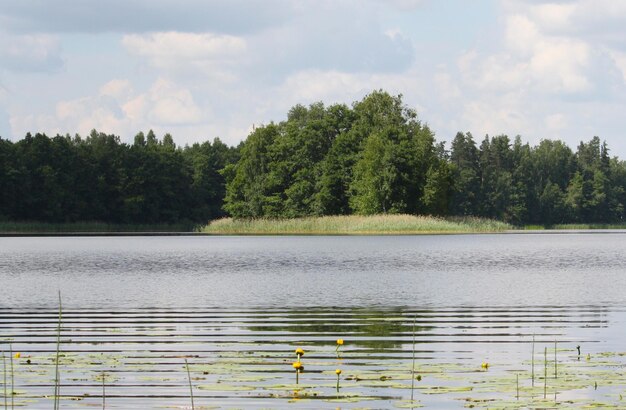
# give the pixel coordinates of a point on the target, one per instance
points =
(355, 225)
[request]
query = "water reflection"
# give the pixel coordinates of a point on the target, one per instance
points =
(374, 329)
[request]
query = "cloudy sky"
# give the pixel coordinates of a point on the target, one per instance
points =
(200, 69)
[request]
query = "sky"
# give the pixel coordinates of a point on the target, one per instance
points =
(201, 69)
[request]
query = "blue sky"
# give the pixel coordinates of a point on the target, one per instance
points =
(201, 69)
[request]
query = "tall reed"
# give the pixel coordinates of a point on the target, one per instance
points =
(189, 380)
(4, 371)
(12, 376)
(532, 363)
(57, 381)
(545, 372)
(413, 364)
(555, 362)
(354, 224)
(103, 393)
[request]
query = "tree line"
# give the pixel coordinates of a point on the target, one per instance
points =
(99, 178)
(372, 157)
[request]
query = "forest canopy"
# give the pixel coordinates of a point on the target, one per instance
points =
(373, 157)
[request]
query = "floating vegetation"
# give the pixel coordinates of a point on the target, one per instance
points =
(254, 371)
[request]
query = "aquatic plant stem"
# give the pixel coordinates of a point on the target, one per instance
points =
(532, 363)
(57, 381)
(12, 376)
(517, 386)
(555, 361)
(545, 372)
(413, 362)
(190, 387)
(4, 370)
(103, 393)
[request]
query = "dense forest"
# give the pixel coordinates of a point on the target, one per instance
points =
(99, 178)
(373, 157)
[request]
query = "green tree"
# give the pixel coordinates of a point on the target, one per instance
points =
(466, 196)
(247, 186)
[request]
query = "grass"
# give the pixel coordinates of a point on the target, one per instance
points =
(74, 227)
(354, 225)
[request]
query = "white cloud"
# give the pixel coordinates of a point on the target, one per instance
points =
(530, 58)
(448, 91)
(619, 58)
(538, 68)
(117, 89)
(316, 85)
(553, 73)
(556, 122)
(344, 87)
(521, 34)
(495, 117)
(30, 52)
(554, 16)
(165, 104)
(595, 20)
(117, 109)
(163, 49)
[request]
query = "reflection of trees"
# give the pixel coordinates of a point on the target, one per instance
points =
(376, 329)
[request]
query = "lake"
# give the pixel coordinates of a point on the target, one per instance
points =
(458, 312)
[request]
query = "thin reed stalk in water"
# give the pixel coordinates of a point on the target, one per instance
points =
(517, 386)
(189, 379)
(555, 361)
(4, 370)
(57, 381)
(532, 363)
(545, 372)
(103, 393)
(413, 364)
(12, 376)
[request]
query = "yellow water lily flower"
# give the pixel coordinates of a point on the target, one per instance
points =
(340, 342)
(299, 352)
(297, 365)
(338, 372)
(18, 355)
(485, 365)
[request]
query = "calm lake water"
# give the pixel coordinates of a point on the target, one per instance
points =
(134, 308)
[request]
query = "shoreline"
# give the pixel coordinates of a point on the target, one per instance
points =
(341, 225)
(251, 234)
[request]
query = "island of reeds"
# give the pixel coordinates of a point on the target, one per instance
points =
(354, 225)
(374, 157)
